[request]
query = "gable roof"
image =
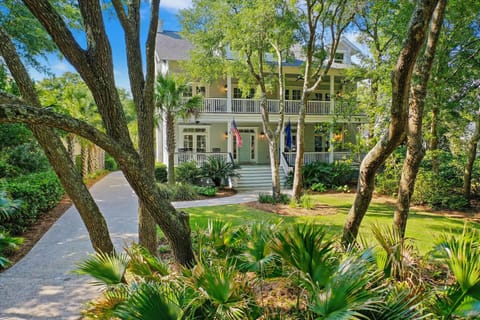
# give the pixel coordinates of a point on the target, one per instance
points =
(171, 46)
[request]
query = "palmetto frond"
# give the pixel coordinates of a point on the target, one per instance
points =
(9, 243)
(395, 256)
(222, 293)
(7, 206)
(349, 291)
(305, 247)
(105, 306)
(257, 255)
(107, 269)
(399, 304)
(462, 255)
(142, 263)
(149, 301)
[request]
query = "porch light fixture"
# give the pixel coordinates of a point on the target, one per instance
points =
(225, 87)
(225, 135)
(262, 135)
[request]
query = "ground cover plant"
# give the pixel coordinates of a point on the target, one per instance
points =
(266, 270)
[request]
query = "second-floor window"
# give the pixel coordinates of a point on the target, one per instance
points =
(339, 57)
(237, 93)
(188, 91)
(317, 96)
(296, 94)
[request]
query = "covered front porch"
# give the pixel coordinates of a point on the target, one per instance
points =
(197, 141)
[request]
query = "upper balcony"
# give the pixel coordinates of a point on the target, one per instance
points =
(292, 107)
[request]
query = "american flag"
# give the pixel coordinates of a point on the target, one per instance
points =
(237, 134)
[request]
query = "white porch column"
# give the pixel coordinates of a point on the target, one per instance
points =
(229, 97)
(331, 156)
(159, 142)
(332, 93)
(164, 141)
(230, 139)
(282, 140)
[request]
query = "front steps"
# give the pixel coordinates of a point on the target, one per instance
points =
(257, 177)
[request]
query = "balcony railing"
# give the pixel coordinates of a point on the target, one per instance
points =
(200, 157)
(308, 157)
(219, 105)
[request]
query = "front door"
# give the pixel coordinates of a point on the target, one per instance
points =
(247, 153)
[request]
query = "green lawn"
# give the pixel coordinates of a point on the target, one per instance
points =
(422, 226)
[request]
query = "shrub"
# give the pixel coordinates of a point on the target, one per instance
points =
(161, 173)
(206, 191)
(7, 170)
(184, 192)
(330, 174)
(28, 158)
(187, 172)
(306, 202)
(386, 181)
(178, 192)
(318, 187)
(432, 190)
(218, 169)
(268, 198)
(110, 163)
(166, 191)
(39, 192)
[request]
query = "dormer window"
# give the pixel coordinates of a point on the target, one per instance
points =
(339, 57)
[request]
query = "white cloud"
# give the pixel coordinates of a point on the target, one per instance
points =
(175, 4)
(62, 66)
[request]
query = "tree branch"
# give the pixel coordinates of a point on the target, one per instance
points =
(58, 30)
(14, 110)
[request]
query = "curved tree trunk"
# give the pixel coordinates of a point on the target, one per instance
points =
(415, 148)
(142, 91)
(433, 146)
(471, 156)
(401, 77)
(59, 158)
(300, 150)
(94, 64)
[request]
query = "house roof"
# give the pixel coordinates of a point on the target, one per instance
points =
(171, 46)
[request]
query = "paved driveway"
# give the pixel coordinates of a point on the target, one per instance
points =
(42, 285)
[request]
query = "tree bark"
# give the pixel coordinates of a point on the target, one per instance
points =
(59, 158)
(401, 77)
(415, 148)
(300, 150)
(95, 67)
(335, 17)
(142, 92)
(71, 146)
(170, 123)
(84, 159)
(471, 156)
(434, 140)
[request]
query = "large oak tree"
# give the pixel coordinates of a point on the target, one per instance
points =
(95, 66)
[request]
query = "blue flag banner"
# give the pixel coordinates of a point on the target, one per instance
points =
(288, 135)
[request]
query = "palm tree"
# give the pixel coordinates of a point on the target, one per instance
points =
(169, 96)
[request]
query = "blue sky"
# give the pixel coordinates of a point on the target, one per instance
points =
(168, 14)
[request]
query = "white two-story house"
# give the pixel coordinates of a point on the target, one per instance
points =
(328, 130)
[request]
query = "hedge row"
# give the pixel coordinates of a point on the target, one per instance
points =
(38, 193)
